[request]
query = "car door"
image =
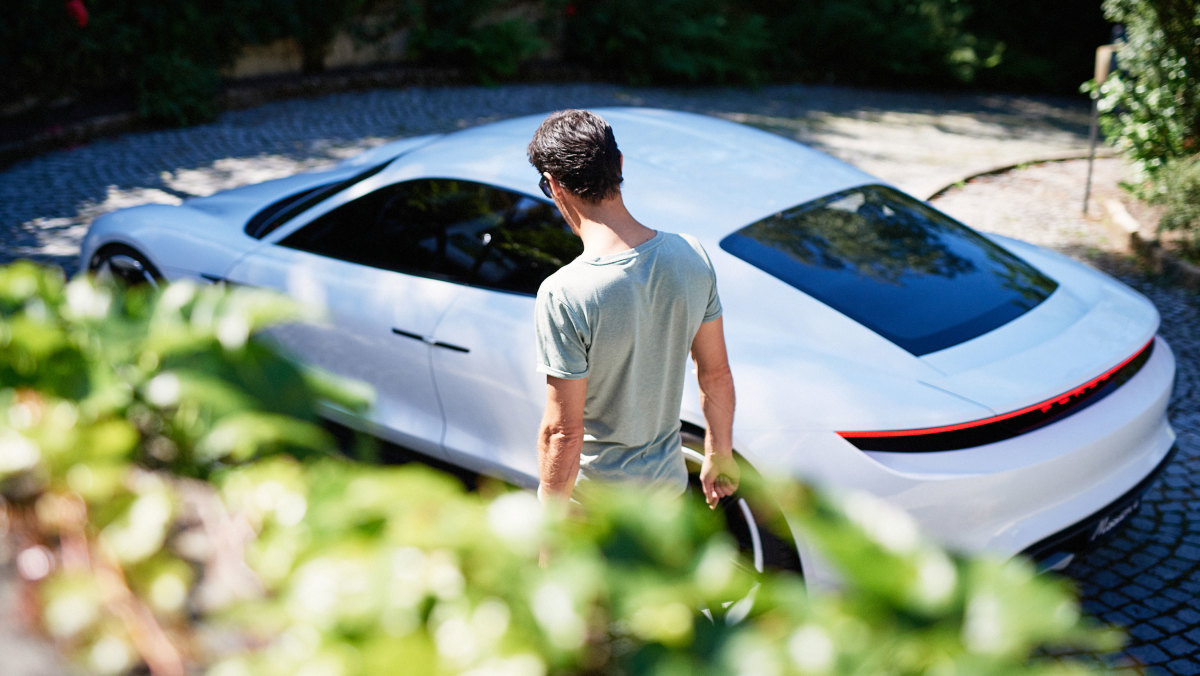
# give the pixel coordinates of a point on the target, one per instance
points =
(490, 392)
(372, 267)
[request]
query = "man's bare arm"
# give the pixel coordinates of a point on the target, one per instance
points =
(560, 438)
(719, 475)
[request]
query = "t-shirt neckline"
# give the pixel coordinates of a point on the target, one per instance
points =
(627, 254)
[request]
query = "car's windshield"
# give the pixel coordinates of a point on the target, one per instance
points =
(895, 265)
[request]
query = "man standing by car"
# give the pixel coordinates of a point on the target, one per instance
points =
(614, 328)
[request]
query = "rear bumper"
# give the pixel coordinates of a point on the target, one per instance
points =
(1056, 551)
(1012, 495)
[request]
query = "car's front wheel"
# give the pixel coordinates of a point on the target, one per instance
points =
(124, 266)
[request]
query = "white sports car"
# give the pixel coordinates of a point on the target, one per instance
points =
(1009, 398)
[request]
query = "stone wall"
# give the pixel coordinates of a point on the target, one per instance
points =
(284, 57)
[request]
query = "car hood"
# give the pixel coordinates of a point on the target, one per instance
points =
(1089, 325)
(236, 206)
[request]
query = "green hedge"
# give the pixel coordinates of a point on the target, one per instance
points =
(174, 508)
(167, 54)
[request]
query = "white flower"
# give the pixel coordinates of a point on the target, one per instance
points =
(811, 649)
(517, 518)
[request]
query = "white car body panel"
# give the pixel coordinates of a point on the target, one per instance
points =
(492, 397)
(453, 365)
(363, 308)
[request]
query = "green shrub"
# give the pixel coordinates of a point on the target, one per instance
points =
(162, 532)
(1150, 107)
(173, 89)
(668, 41)
(1179, 191)
(473, 35)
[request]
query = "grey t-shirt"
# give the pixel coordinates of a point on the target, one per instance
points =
(626, 323)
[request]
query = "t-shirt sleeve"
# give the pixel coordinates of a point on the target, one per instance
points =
(713, 309)
(714, 301)
(561, 347)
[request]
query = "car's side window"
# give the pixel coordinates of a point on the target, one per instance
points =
(455, 230)
(532, 242)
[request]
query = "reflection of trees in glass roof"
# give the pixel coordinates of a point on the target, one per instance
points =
(895, 265)
(871, 231)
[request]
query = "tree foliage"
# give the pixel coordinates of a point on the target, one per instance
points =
(162, 529)
(887, 42)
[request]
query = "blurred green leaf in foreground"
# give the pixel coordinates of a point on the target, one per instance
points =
(174, 506)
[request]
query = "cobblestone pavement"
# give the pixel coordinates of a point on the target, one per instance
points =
(1145, 578)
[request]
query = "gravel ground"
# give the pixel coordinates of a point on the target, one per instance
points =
(1145, 578)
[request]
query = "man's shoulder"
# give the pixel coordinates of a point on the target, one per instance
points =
(563, 284)
(686, 245)
(678, 240)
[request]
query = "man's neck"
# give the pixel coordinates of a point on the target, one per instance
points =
(607, 227)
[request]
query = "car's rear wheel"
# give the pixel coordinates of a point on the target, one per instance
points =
(124, 266)
(752, 519)
(750, 515)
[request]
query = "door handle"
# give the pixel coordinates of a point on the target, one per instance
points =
(430, 341)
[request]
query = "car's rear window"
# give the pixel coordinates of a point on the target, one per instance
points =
(895, 265)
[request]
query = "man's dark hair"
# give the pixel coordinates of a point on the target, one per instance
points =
(578, 149)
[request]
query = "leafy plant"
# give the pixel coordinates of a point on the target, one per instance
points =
(163, 530)
(1150, 107)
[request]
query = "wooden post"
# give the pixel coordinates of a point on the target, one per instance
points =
(1104, 60)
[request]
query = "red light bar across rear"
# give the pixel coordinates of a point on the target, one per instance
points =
(1005, 425)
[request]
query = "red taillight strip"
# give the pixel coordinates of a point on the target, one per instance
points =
(1005, 425)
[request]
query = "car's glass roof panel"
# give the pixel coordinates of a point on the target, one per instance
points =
(895, 265)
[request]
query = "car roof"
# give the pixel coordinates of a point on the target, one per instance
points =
(683, 171)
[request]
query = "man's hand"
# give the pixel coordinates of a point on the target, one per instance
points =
(719, 476)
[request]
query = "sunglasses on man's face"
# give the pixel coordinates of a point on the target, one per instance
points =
(544, 184)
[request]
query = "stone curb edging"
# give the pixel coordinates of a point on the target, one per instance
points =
(59, 137)
(1124, 226)
(1063, 156)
